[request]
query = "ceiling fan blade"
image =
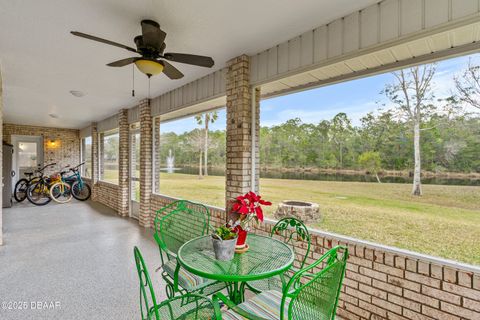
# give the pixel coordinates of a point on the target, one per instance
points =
(201, 61)
(94, 38)
(152, 35)
(123, 62)
(170, 71)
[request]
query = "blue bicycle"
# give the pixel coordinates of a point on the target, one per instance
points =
(79, 188)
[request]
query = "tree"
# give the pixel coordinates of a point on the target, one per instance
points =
(371, 162)
(412, 95)
(341, 129)
(206, 119)
(197, 143)
(468, 85)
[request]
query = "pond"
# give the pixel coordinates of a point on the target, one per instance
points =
(302, 175)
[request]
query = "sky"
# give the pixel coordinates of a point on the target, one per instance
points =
(356, 98)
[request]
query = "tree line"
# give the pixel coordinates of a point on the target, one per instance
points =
(452, 146)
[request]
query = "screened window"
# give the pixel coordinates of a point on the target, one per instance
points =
(350, 148)
(109, 156)
(191, 158)
(86, 153)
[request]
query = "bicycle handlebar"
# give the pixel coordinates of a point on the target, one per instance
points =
(76, 167)
(46, 166)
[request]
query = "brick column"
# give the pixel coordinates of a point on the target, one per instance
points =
(123, 163)
(95, 171)
(145, 162)
(156, 155)
(239, 129)
(1, 157)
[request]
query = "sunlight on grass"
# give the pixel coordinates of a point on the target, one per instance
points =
(444, 222)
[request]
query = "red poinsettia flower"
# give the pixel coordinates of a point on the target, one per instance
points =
(259, 213)
(265, 203)
(250, 203)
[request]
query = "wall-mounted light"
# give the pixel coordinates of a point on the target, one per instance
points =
(52, 143)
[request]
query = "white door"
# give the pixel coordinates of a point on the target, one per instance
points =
(134, 173)
(27, 155)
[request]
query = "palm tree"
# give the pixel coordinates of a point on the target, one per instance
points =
(206, 118)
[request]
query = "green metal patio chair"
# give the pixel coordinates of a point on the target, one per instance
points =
(309, 295)
(185, 307)
(175, 224)
(293, 232)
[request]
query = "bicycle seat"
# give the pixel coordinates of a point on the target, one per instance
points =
(28, 174)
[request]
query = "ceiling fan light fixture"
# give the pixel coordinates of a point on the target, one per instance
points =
(149, 67)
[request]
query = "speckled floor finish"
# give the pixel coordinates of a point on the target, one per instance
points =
(75, 259)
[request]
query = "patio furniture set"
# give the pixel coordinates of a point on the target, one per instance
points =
(265, 272)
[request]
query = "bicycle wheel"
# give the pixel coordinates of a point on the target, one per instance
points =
(20, 192)
(61, 192)
(79, 192)
(38, 193)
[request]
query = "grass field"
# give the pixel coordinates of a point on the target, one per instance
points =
(445, 222)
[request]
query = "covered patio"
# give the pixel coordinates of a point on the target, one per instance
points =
(76, 259)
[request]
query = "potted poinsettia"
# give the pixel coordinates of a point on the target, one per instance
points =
(249, 207)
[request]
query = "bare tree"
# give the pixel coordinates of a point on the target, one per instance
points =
(206, 119)
(412, 95)
(468, 85)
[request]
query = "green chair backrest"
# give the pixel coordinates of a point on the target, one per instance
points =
(188, 306)
(291, 230)
(179, 222)
(147, 294)
(314, 296)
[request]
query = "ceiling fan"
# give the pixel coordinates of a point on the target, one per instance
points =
(151, 46)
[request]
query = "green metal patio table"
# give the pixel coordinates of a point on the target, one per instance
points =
(266, 257)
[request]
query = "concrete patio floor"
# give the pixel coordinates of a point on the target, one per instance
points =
(77, 257)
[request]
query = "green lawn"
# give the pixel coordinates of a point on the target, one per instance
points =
(444, 222)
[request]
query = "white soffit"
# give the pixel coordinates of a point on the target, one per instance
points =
(462, 40)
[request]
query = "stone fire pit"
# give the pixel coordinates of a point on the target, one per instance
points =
(305, 211)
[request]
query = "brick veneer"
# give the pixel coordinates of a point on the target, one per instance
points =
(1, 159)
(123, 163)
(239, 128)
(387, 283)
(145, 162)
(107, 194)
(66, 150)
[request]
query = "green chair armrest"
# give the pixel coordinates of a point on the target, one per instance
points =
(220, 296)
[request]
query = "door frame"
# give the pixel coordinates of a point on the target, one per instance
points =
(16, 139)
(134, 206)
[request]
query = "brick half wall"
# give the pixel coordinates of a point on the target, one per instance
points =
(105, 193)
(386, 283)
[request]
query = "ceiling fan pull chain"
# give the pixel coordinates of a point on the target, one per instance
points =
(149, 87)
(133, 80)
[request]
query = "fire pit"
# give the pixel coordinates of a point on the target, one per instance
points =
(305, 211)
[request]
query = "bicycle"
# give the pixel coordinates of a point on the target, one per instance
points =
(38, 192)
(80, 190)
(60, 190)
(20, 191)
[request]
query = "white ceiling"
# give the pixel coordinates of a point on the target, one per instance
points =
(41, 61)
